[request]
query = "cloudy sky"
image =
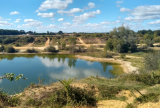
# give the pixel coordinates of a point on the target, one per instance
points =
(79, 15)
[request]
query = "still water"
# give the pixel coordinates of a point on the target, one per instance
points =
(50, 68)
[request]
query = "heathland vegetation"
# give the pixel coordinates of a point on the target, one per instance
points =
(130, 90)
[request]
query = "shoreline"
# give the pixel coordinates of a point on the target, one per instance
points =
(127, 67)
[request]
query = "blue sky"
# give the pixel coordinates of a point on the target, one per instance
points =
(79, 15)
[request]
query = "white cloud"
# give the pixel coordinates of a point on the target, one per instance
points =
(1, 18)
(54, 4)
(124, 9)
(91, 5)
(17, 20)
(85, 16)
(14, 13)
(30, 23)
(61, 19)
(51, 26)
(71, 11)
(5, 23)
(154, 22)
(119, 2)
(45, 15)
(141, 13)
(66, 24)
(52, 18)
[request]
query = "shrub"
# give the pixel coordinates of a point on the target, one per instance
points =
(31, 51)
(1, 48)
(151, 97)
(51, 49)
(6, 100)
(107, 92)
(122, 56)
(10, 49)
(17, 45)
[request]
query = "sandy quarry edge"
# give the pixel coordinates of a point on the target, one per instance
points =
(127, 67)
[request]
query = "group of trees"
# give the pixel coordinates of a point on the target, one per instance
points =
(8, 49)
(122, 40)
(11, 32)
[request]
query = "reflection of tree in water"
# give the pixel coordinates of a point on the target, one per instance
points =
(117, 70)
(104, 65)
(71, 62)
(12, 56)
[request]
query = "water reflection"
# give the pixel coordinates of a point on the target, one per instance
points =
(51, 68)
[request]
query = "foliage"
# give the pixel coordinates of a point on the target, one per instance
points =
(51, 49)
(60, 32)
(10, 49)
(31, 50)
(152, 61)
(145, 78)
(66, 85)
(40, 81)
(63, 45)
(1, 48)
(78, 97)
(149, 42)
(91, 48)
(6, 100)
(122, 56)
(11, 76)
(72, 43)
(151, 97)
(123, 40)
(108, 92)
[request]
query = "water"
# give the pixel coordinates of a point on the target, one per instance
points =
(50, 68)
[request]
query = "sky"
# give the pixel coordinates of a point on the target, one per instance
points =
(79, 15)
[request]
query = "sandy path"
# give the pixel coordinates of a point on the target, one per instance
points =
(47, 42)
(127, 67)
(88, 45)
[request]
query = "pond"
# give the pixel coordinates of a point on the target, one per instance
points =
(50, 68)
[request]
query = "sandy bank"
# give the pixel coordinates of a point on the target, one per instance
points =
(127, 67)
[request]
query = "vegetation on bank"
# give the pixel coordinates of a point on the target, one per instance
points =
(119, 42)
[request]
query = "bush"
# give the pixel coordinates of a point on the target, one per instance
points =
(17, 45)
(122, 56)
(152, 61)
(51, 49)
(1, 48)
(152, 97)
(77, 97)
(10, 49)
(31, 51)
(6, 100)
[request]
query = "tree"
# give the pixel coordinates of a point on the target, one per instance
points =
(10, 49)
(51, 49)
(1, 48)
(109, 45)
(60, 32)
(72, 43)
(63, 45)
(122, 40)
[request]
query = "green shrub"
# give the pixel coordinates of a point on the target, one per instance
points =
(10, 49)
(6, 100)
(107, 92)
(146, 78)
(31, 51)
(122, 56)
(152, 97)
(51, 49)
(17, 45)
